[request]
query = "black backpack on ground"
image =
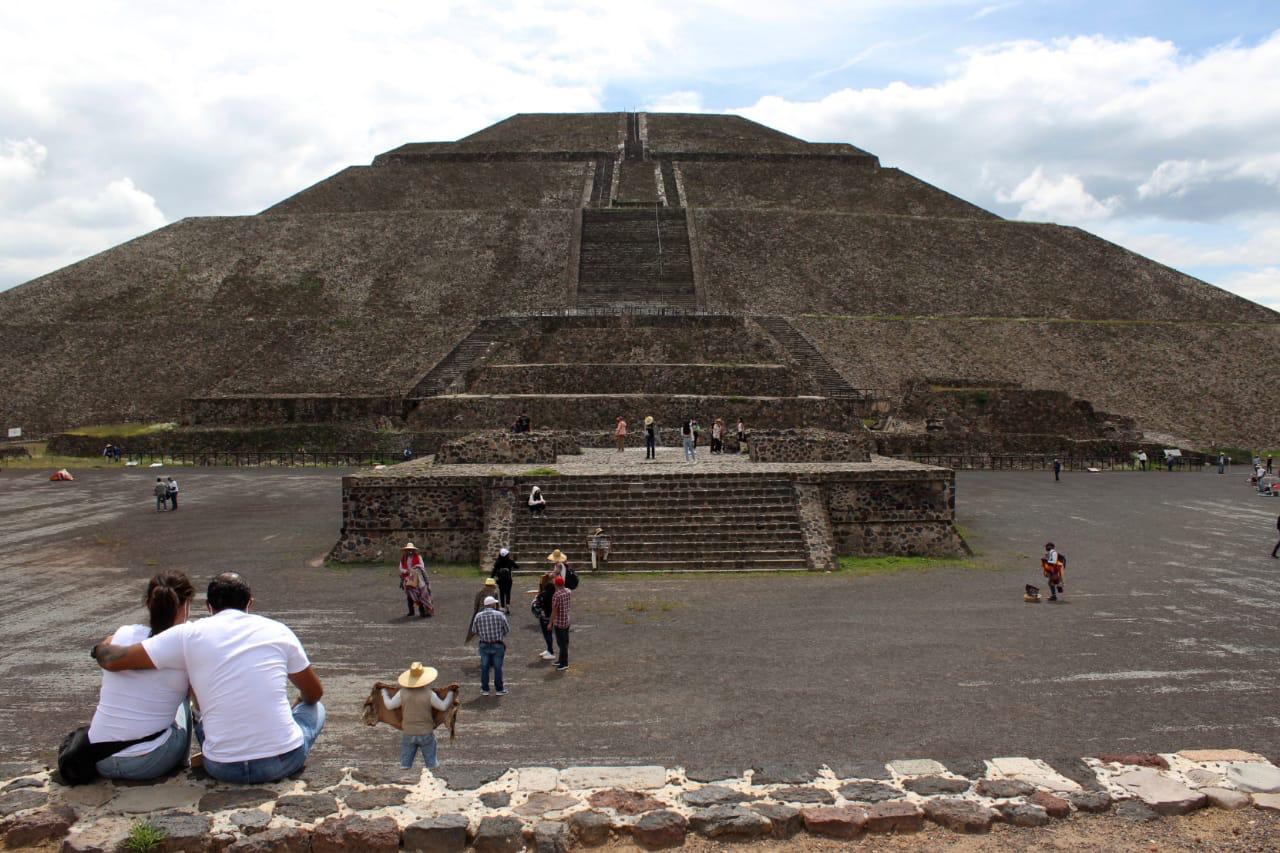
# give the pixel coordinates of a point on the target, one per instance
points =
(78, 758)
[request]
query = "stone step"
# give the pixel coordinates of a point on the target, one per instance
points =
(745, 564)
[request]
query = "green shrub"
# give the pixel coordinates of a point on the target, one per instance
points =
(143, 838)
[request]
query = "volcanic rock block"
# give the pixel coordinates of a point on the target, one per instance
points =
(151, 798)
(1226, 798)
(1137, 811)
(787, 773)
(714, 795)
(496, 799)
(1001, 789)
(443, 834)
(368, 835)
(305, 808)
(38, 827)
(1267, 802)
(1255, 778)
(959, 815)
(375, 798)
(286, 839)
(1024, 814)
(250, 821)
(625, 802)
(542, 802)
(928, 786)
(786, 820)
(183, 832)
(916, 767)
(660, 829)
(20, 800)
(730, 822)
(803, 794)
(869, 792)
(590, 828)
(234, 798)
(894, 816)
(1094, 802)
(499, 835)
(1164, 795)
(1054, 805)
(1135, 759)
(842, 822)
(551, 836)
(631, 778)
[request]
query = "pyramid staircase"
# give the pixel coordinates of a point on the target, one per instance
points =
(635, 257)
(828, 380)
(456, 370)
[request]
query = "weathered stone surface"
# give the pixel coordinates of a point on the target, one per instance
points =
(869, 792)
(551, 836)
(714, 795)
(730, 821)
(1000, 789)
(1164, 795)
(496, 799)
(1023, 814)
(625, 802)
(184, 832)
(9, 769)
(499, 834)
(235, 798)
(444, 834)
(894, 816)
(1094, 802)
(858, 769)
(468, 777)
(368, 835)
(1255, 778)
(250, 821)
(319, 776)
(288, 839)
(803, 794)
(92, 795)
(786, 773)
(916, 767)
(590, 828)
(38, 827)
(1054, 806)
(660, 829)
(959, 815)
(712, 773)
(929, 786)
(537, 779)
(375, 798)
(1226, 798)
(1267, 802)
(970, 768)
(104, 835)
(1077, 771)
(391, 775)
(786, 820)
(1203, 778)
(24, 782)
(1137, 811)
(154, 798)
(632, 778)
(21, 800)
(1134, 759)
(1034, 772)
(305, 808)
(842, 822)
(1208, 755)
(540, 803)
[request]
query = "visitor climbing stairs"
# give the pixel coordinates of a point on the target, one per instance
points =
(708, 522)
(828, 380)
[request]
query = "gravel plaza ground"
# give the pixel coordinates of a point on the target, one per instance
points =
(1167, 638)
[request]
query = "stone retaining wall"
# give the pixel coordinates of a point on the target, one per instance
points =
(810, 445)
(762, 380)
(499, 447)
(288, 409)
(445, 517)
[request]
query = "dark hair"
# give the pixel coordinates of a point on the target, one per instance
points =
(229, 590)
(166, 592)
(1048, 544)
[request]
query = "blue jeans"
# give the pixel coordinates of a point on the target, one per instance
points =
(310, 718)
(491, 657)
(164, 759)
(411, 744)
(689, 452)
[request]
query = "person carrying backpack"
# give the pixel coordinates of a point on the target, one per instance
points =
(1053, 564)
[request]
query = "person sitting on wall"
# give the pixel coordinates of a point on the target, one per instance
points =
(239, 665)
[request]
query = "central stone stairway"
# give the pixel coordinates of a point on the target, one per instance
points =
(685, 522)
(635, 256)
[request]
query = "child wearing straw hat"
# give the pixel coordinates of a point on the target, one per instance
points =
(416, 702)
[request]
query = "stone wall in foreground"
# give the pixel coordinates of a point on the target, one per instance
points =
(809, 445)
(443, 516)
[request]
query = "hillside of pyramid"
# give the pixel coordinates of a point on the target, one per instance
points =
(369, 283)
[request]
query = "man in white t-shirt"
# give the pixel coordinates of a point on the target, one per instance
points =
(239, 665)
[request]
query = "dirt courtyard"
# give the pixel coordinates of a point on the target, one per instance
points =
(1167, 639)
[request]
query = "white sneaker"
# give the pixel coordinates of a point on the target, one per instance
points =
(547, 656)
(484, 692)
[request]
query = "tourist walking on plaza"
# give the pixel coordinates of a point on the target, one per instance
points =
(414, 581)
(161, 491)
(537, 503)
(1053, 565)
(416, 703)
(1222, 463)
(143, 717)
(650, 438)
(620, 434)
(503, 569)
(542, 610)
(486, 591)
(490, 625)
(717, 435)
(1057, 468)
(171, 487)
(560, 622)
(687, 437)
(239, 665)
(1142, 459)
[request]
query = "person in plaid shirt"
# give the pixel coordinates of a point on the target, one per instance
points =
(560, 622)
(491, 627)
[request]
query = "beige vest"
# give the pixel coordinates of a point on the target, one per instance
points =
(416, 711)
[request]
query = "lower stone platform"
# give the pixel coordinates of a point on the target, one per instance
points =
(721, 512)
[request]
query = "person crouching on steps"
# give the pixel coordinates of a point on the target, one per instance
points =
(1053, 565)
(416, 702)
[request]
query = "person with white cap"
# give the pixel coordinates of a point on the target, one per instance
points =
(503, 569)
(416, 702)
(490, 625)
(489, 588)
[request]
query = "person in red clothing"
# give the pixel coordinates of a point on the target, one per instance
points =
(560, 622)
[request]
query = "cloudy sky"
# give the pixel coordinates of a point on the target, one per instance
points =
(1153, 123)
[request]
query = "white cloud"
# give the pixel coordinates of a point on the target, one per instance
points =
(1260, 285)
(20, 162)
(677, 102)
(1055, 200)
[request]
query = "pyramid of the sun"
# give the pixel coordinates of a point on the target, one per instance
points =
(361, 283)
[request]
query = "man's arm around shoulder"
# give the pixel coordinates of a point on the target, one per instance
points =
(114, 658)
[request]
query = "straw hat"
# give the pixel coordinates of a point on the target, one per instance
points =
(557, 557)
(648, 419)
(490, 582)
(409, 546)
(417, 675)
(599, 530)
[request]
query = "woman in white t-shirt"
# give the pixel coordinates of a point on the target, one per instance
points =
(137, 703)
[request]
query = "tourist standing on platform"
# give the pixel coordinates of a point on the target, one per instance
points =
(1057, 468)
(1142, 459)
(491, 627)
(650, 438)
(486, 591)
(161, 491)
(560, 622)
(542, 610)
(1222, 463)
(417, 722)
(414, 581)
(717, 435)
(687, 437)
(503, 569)
(537, 503)
(171, 487)
(742, 436)
(620, 434)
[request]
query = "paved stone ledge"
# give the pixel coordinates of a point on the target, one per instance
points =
(545, 808)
